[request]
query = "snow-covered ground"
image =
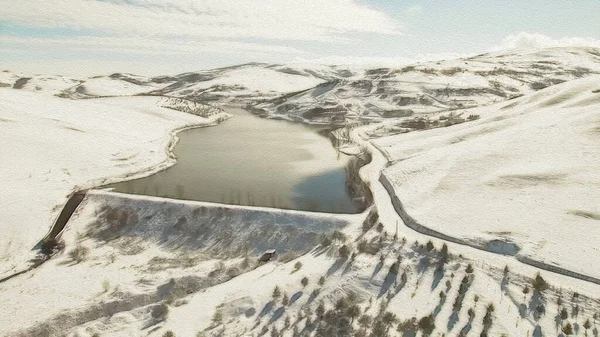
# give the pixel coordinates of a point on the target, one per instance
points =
(53, 146)
(526, 172)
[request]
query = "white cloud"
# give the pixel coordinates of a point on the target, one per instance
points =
(308, 20)
(216, 31)
(524, 40)
(146, 45)
(414, 10)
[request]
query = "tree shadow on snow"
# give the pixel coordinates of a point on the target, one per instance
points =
(335, 266)
(295, 297)
(387, 283)
(266, 309)
(465, 330)
(452, 320)
(377, 269)
(438, 275)
(277, 315)
(537, 332)
(438, 308)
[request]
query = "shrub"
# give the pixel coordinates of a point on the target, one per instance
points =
(304, 281)
(321, 280)
(338, 236)
(353, 312)
(320, 311)
(370, 220)
(79, 253)
(469, 269)
(342, 304)
(427, 324)
(444, 253)
(217, 318)
(429, 246)
(344, 252)
(276, 293)
(564, 314)
(233, 272)
(298, 265)
(160, 312)
(106, 285)
(325, 241)
(471, 313)
(169, 334)
(539, 284)
(362, 246)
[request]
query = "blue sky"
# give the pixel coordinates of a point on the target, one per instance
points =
(83, 37)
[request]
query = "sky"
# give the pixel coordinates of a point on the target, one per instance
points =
(152, 37)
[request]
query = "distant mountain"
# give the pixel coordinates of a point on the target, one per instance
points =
(325, 94)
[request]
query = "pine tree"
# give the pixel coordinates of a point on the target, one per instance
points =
(320, 311)
(388, 319)
(427, 325)
(304, 281)
(564, 314)
(344, 252)
(365, 321)
(587, 325)
(353, 311)
(285, 300)
(429, 246)
(539, 284)
(276, 293)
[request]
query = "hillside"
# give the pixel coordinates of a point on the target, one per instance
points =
(57, 145)
(525, 173)
(483, 220)
(430, 87)
(324, 94)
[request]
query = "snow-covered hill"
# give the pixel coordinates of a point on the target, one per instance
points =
(53, 145)
(435, 86)
(324, 94)
(523, 172)
(526, 172)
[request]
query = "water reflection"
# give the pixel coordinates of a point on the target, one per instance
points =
(252, 161)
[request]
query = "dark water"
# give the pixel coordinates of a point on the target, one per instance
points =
(253, 161)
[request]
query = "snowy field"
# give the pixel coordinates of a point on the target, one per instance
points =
(525, 172)
(528, 172)
(53, 146)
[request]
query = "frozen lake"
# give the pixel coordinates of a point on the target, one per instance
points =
(254, 161)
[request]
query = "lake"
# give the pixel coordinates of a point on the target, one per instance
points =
(253, 161)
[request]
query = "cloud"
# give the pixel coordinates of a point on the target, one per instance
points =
(216, 31)
(307, 20)
(137, 45)
(414, 10)
(524, 40)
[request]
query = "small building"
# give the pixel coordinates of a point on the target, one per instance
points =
(268, 255)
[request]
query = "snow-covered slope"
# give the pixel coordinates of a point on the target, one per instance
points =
(51, 84)
(527, 172)
(52, 145)
(524, 172)
(435, 86)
